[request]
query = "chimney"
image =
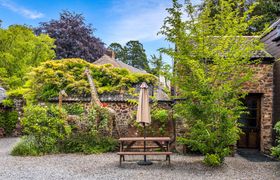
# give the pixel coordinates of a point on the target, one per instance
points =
(110, 53)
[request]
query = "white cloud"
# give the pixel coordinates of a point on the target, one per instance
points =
(21, 10)
(139, 20)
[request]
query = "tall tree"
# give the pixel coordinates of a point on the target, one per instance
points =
(120, 52)
(266, 11)
(20, 49)
(133, 53)
(73, 37)
(212, 63)
(136, 55)
(156, 64)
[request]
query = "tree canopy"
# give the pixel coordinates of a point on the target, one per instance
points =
(266, 11)
(133, 53)
(20, 50)
(74, 38)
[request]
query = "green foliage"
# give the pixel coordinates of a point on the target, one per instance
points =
(26, 147)
(212, 61)
(7, 102)
(50, 77)
(159, 67)
(268, 12)
(47, 131)
(133, 53)
(20, 49)
(46, 125)
(212, 160)
(74, 108)
(8, 121)
(96, 119)
(275, 151)
(160, 115)
(159, 118)
(88, 143)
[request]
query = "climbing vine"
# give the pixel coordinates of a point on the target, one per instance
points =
(45, 81)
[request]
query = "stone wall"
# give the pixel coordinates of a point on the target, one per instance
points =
(122, 125)
(263, 84)
(125, 114)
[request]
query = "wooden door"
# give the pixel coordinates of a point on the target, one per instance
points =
(251, 123)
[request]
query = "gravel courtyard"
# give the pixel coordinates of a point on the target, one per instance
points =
(105, 166)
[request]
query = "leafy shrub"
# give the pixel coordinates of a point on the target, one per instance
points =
(88, 143)
(26, 147)
(275, 151)
(8, 121)
(160, 115)
(46, 125)
(8, 102)
(212, 160)
(159, 121)
(208, 140)
(74, 109)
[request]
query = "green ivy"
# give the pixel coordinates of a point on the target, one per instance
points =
(46, 80)
(74, 108)
(159, 122)
(8, 121)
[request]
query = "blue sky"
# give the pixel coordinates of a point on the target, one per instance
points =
(114, 20)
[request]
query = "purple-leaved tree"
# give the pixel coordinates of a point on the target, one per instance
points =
(74, 38)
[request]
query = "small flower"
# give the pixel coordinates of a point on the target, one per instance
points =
(104, 104)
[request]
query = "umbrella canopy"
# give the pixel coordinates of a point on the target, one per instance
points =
(143, 110)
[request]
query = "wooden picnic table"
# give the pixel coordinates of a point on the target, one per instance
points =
(127, 146)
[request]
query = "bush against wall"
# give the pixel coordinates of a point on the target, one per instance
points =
(8, 121)
(275, 151)
(160, 117)
(46, 125)
(48, 130)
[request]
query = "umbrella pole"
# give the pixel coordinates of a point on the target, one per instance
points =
(145, 162)
(145, 158)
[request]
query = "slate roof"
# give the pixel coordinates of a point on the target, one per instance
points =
(105, 59)
(105, 97)
(2, 94)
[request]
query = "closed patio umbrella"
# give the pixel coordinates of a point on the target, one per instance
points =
(143, 115)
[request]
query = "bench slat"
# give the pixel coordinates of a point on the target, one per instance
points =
(144, 153)
(147, 147)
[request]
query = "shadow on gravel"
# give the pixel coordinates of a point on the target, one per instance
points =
(254, 155)
(194, 167)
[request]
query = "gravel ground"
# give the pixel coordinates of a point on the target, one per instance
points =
(105, 166)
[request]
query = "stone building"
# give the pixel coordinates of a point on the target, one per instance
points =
(269, 86)
(263, 99)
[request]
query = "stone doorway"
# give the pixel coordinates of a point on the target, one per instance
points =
(250, 123)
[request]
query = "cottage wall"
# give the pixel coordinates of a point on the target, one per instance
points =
(124, 117)
(125, 114)
(263, 83)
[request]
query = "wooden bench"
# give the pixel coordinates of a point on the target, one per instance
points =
(144, 153)
(127, 147)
